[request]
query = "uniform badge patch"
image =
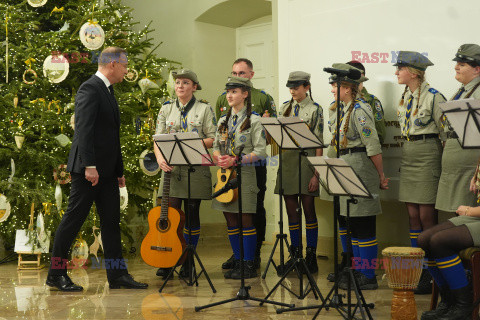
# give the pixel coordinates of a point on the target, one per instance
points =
(419, 123)
(378, 116)
(362, 120)
(263, 134)
(243, 138)
(366, 132)
(194, 130)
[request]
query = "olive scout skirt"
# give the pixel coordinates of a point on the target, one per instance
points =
(249, 194)
(458, 168)
(365, 169)
(420, 170)
(290, 173)
(473, 225)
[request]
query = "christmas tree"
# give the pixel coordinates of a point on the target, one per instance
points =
(37, 104)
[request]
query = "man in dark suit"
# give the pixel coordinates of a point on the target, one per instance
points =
(96, 166)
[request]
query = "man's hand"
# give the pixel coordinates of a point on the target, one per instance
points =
(91, 174)
(121, 182)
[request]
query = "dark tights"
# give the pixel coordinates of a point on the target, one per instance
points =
(194, 219)
(445, 240)
(421, 216)
(232, 219)
(360, 227)
(308, 206)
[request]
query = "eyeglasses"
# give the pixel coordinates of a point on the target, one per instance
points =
(236, 74)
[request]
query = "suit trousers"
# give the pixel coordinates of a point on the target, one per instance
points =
(259, 219)
(107, 200)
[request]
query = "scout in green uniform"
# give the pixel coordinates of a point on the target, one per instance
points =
(456, 189)
(360, 148)
(263, 104)
(458, 165)
(243, 128)
(420, 122)
(187, 114)
(301, 105)
(373, 101)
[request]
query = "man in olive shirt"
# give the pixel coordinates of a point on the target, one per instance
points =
(263, 104)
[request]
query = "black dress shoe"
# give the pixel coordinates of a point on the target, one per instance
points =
(229, 264)
(63, 283)
(127, 282)
(164, 272)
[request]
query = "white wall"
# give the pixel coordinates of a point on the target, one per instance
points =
(313, 34)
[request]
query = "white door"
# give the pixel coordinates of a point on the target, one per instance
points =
(256, 44)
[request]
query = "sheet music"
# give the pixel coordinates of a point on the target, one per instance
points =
(464, 120)
(295, 128)
(192, 145)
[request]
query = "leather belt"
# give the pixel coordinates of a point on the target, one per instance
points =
(352, 150)
(422, 136)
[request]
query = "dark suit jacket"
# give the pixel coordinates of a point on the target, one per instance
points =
(96, 141)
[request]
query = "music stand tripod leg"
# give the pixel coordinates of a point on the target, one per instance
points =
(243, 292)
(281, 237)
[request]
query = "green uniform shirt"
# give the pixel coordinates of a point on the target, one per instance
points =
(261, 102)
(427, 119)
(378, 113)
(361, 127)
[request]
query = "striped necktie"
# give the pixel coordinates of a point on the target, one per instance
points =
(459, 93)
(295, 110)
(407, 117)
(232, 143)
(184, 121)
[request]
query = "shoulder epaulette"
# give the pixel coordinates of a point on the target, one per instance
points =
(316, 104)
(167, 102)
(332, 102)
(224, 92)
(286, 101)
(434, 91)
(362, 100)
(253, 112)
(203, 101)
(264, 92)
(223, 116)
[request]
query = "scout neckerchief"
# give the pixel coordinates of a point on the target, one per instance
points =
(184, 111)
(342, 114)
(406, 127)
(232, 128)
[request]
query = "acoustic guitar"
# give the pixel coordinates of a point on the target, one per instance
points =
(225, 175)
(164, 243)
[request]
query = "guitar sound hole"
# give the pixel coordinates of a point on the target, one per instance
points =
(163, 225)
(223, 178)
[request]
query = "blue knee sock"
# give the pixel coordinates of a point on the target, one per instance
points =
(368, 251)
(452, 270)
(356, 252)
(312, 233)
(413, 237)
(233, 233)
(195, 235)
(249, 243)
(343, 238)
(435, 272)
(294, 233)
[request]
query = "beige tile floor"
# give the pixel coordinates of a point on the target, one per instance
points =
(23, 294)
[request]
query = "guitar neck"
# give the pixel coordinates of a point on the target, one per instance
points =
(165, 195)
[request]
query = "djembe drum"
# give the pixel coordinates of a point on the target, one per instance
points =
(403, 267)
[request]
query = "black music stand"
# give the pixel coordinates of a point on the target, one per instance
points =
(243, 293)
(339, 179)
(185, 149)
(292, 133)
(464, 117)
